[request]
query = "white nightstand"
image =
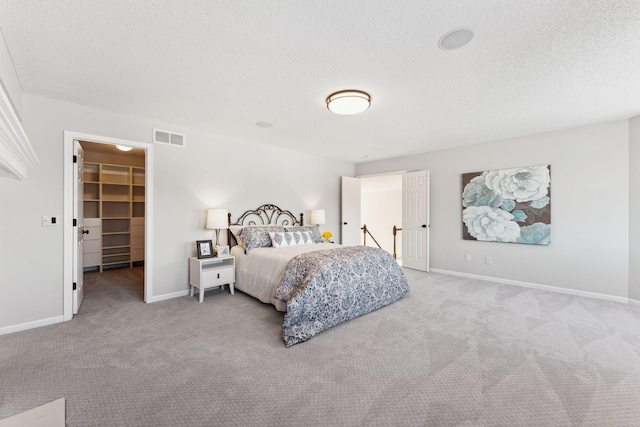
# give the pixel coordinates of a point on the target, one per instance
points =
(208, 273)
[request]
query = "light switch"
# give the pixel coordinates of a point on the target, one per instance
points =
(49, 221)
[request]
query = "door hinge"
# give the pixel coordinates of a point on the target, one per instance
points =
(75, 159)
(75, 222)
(74, 285)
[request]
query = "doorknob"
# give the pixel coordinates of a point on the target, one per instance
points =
(85, 231)
(424, 225)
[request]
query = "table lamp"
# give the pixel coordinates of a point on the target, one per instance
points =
(217, 220)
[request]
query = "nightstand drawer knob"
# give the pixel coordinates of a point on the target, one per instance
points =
(218, 275)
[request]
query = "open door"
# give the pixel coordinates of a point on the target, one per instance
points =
(415, 220)
(78, 230)
(350, 230)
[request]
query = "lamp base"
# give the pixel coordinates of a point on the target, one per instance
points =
(216, 246)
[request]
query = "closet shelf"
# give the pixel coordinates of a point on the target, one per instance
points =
(116, 253)
(114, 196)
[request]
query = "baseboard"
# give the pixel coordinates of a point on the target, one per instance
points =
(30, 325)
(172, 295)
(634, 302)
(536, 286)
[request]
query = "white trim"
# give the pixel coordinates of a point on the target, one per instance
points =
(148, 224)
(371, 175)
(634, 302)
(31, 325)
(534, 286)
(16, 153)
(69, 137)
(172, 295)
(67, 229)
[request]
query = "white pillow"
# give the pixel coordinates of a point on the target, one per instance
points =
(280, 239)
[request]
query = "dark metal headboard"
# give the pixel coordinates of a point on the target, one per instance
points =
(265, 215)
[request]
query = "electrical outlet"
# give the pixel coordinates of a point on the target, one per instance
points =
(467, 257)
(487, 260)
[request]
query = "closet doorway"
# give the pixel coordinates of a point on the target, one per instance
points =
(114, 206)
(108, 194)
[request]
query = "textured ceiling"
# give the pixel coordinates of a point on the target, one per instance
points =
(221, 66)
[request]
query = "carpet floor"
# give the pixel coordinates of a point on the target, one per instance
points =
(452, 352)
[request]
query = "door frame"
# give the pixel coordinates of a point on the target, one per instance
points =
(374, 175)
(68, 193)
(428, 215)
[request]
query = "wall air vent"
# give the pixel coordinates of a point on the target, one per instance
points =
(168, 138)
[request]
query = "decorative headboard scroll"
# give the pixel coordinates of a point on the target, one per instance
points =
(265, 215)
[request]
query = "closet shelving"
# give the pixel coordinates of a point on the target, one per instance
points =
(114, 211)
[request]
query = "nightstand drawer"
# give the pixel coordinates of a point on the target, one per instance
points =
(218, 276)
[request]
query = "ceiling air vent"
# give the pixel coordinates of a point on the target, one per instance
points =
(169, 138)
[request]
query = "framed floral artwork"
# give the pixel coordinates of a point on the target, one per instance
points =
(508, 205)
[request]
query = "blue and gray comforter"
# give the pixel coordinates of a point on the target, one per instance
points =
(325, 288)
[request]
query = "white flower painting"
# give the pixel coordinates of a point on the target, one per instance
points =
(508, 205)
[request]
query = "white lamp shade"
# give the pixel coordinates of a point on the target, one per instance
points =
(217, 219)
(317, 216)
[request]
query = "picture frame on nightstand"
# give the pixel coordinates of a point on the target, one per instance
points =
(223, 251)
(205, 248)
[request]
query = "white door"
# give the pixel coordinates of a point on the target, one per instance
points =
(415, 220)
(350, 211)
(78, 215)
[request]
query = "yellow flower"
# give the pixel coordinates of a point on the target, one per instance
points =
(327, 235)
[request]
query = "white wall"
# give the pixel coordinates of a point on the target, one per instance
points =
(634, 208)
(381, 210)
(590, 208)
(212, 171)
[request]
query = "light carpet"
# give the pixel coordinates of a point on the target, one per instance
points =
(452, 352)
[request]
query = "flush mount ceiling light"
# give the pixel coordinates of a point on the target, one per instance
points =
(348, 102)
(124, 148)
(455, 39)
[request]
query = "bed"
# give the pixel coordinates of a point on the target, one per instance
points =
(318, 285)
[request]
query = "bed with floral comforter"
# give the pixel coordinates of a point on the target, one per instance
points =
(316, 283)
(327, 287)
